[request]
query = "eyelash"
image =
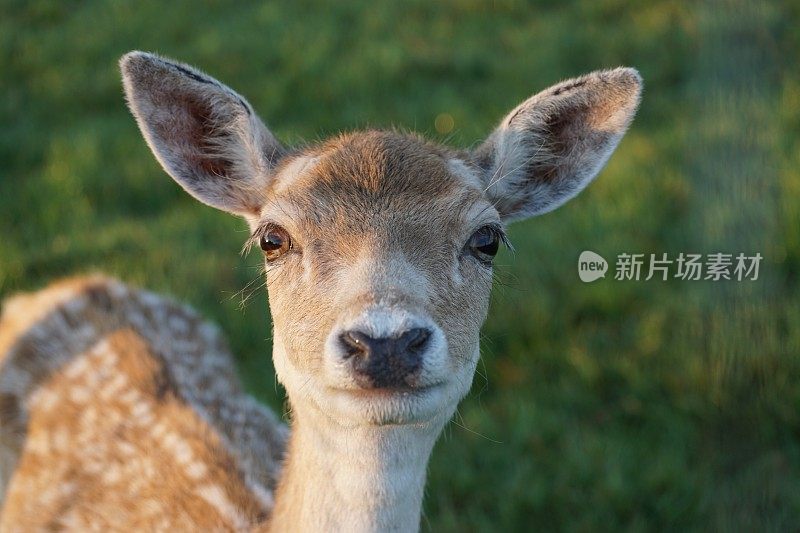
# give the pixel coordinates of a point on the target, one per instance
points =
(486, 252)
(255, 237)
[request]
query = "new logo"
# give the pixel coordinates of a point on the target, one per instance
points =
(591, 266)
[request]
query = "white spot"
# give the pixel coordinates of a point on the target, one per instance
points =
(150, 507)
(75, 305)
(113, 387)
(117, 290)
(94, 467)
(140, 410)
(130, 397)
(263, 495)
(179, 324)
(77, 368)
(112, 475)
(158, 431)
(182, 452)
(61, 439)
(216, 497)
(150, 299)
(44, 399)
(196, 470)
(126, 448)
(68, 488)
(79, 394)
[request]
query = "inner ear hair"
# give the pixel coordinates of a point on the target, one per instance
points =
(551, 146)
(204, 134)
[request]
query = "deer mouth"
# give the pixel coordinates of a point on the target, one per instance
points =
(406, 391)
(390, 405)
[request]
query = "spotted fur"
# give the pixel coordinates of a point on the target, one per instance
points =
(120, 409)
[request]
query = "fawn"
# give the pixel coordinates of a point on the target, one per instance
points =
(378, 251)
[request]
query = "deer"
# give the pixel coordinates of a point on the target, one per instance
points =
(378, 250)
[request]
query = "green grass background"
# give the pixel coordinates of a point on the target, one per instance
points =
(629, 406)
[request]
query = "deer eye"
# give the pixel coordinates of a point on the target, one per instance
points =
(275, 242)
(484, 243)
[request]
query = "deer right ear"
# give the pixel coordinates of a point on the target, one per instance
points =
(206, 136)
(552, 145)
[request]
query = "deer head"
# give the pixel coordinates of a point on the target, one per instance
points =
(378, 245)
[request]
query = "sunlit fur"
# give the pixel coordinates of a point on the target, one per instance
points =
(379, 223)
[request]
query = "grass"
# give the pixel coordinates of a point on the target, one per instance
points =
(611, 406)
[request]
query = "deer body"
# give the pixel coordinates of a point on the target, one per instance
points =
(120, 410)
(378, 251)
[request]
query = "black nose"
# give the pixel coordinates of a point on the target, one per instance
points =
(387, 361)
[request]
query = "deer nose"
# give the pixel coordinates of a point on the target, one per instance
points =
(385, 361)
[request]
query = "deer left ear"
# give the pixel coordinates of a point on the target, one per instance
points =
(552, 145)
(205, 135)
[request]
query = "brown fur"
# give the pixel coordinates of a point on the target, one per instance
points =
(108, 392)
(391, 200)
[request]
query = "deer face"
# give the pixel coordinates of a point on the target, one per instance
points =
(382, 281)
(378, 246)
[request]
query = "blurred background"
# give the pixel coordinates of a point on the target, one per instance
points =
(616, 405)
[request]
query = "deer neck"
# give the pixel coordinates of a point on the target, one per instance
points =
(359, 479)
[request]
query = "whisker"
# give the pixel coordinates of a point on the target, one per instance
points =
(462, 426)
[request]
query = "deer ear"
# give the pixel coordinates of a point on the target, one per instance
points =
(552, 145)
(206, 136)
